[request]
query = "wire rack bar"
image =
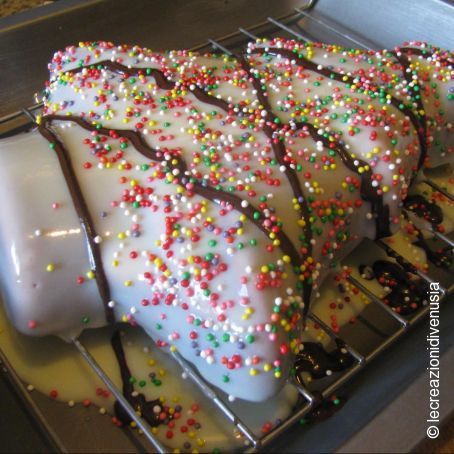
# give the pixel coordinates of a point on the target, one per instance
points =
(264, 24)
(439, 189)
(333, 29)
(215, 44)
(443, 238)
(256, 442)
(248, 34)
(288, 29)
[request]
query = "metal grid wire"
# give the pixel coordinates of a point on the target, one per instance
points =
(287, 25)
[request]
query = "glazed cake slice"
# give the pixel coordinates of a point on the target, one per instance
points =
(205, 198)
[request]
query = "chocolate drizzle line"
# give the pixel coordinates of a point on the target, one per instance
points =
(406, 295)
(280, 154)
(205, 190)
(162, 81)
(420, 118)
(432, 213)
(367, 191)
(137, 400)
(216, 196)
(318, 363)
(278, 148)
(425, 53)
(83, 213)
(346, 79)
(442, 257)
(424, 209)
(314, 359)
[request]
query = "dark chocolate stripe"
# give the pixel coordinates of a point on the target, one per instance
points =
(302, 61)
(83, 213)
(206, 191)
(160, 78)
(425, 53)
(367, 191)
(137, 400)
(416, 96)
(280, 155)
(278, 148)
(254, 215)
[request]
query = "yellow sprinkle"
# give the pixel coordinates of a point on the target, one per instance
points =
(90, 275)
(50, 267)
(151, 362)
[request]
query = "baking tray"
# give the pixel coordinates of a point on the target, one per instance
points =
(34, 36)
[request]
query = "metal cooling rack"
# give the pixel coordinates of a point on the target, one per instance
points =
(288, 25)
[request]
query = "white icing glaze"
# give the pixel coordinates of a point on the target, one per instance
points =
(237, 342)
